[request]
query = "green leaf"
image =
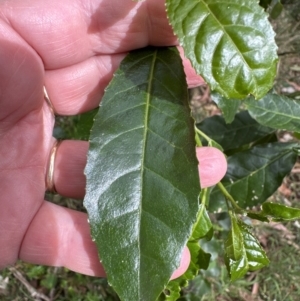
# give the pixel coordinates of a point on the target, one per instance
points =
(142, 174)
(254, 175)
(203, 226)
(83, 125)
(237, 268)
(228, 107)
(256, 256)
(229, 42)
(276, 111)
(242, 131)
(258, 216)
(276, 9)
(252, 256)
(234, 242)
(280, 212)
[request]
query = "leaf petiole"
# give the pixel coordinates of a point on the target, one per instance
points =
(228, 197)
(210, 141)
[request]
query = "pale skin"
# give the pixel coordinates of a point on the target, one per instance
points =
(72, 47)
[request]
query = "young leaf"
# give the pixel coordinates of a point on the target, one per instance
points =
(275, 111)
(234, 242)
(254, 175)
(142, 174)
(256, 256)
(242, 131)
(280, 212)
(203, 226)
(258, 216)
(229, 42)
(237, 268)
(252, 256)
(228, 107)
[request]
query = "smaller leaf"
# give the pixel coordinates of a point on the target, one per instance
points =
(203, 226)
(228, 107)
(276, 111)
(250, 178)
(280, 212)
(253, 257)
(237, 268)
(258, 216)
(276, 9)
(256, 255)
(234, 242)
(242, 131)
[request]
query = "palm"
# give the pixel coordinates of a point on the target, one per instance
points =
(71, 47)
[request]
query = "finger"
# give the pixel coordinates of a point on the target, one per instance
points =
(60, 236)
(69, 178)
(192, 78)
(184, 264)
(67, 32)
(80, 87)
(70, 160)
(212, 165)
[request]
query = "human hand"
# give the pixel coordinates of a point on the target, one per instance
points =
(72, 47)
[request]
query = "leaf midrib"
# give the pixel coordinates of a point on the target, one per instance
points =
(274, 112)
(146, 124)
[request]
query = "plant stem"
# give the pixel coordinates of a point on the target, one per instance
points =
(228, 197)
(202, 134)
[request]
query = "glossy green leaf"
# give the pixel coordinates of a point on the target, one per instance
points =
(228, 107)
(234, 241)
(254, 175)
(280, 212)
(142, 174)
(242, 131)
(256, 256)
(252, 255)
(276, 111)
(229, 42)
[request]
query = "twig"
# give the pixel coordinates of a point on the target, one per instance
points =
(295, 86)
(31, 289)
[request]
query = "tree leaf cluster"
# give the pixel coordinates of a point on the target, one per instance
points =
(143, 194)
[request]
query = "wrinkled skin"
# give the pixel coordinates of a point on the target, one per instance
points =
(72, 47)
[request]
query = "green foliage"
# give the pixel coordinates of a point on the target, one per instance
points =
(243, 132)
(142, 174)
(243, 252)
(276, 111)
(230, 43)
(280, 212)
(228, 108)
(255, 174)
